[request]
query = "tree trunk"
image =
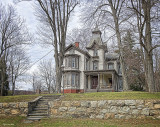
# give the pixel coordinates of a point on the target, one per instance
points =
(118, 35)
(146, 5)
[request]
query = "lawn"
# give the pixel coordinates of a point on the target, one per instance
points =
(18, 121)
(112, 96)
(87, 96)
(20, 98)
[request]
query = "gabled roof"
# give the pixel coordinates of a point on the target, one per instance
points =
(72, 46)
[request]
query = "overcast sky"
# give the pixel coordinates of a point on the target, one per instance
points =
(26, 10)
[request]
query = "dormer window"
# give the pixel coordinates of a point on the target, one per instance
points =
(95, 65)
(95, 52)
(110, 66)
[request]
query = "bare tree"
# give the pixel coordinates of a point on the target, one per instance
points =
(143, 9)
(79, 35)
(47, 74)
(12, 33)
(54, 14)
(18, 63)
(111, 14)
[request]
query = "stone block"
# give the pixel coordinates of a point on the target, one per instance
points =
(113, 109)
(7, 111)
(5, 105)
(157, 106)
(112, 102)
(120, 102)
(54, 111)
(158, 117)
(92, 116)
(101, 103)
(130, 102)
(15, 112)
(94, 104)
(66, 103)
(62, 109)
(124, 109)
(100, 116)
(132, 107)
(149, 104)
(140, 102)
(154, 112)
(1, 105)
(23, 104)
(76, 103)
(85, 104)
(128, 117)
(135, 112)
(13, 105)
(109, 116)
(57, 104)
(119, 116)
(81, 110)
(104, 111)
(71, 109)
(145, 111)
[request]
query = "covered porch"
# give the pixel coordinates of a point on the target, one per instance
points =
(101, 81)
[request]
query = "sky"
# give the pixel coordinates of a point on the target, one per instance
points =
(26, 11)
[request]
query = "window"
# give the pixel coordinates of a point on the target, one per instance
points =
(75, 80)
(95, 65)
(87, 64)
(66, 62)
(95, 52)
(110, 66)
(73, 62)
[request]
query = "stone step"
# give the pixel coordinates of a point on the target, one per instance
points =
(40, 109)
(42, 103)
(36, 117)
(38, 114)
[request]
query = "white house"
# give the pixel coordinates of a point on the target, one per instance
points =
(94, 70)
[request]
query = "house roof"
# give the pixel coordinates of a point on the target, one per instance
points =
(71, 46)
(111, 56)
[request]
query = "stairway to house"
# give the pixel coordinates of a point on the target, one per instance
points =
(41, 110)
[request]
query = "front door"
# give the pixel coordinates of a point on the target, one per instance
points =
(94, 82)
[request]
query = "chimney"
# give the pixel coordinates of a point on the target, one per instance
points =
(77, 44)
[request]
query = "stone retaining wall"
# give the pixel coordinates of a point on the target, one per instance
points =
(19, 108)
(106, 109)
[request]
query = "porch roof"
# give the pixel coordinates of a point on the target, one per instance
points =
(99, 72)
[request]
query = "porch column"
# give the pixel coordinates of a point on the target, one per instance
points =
(89, 82)
(98, 82)
(113, 81)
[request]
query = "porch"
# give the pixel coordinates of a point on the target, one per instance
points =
(101, 81)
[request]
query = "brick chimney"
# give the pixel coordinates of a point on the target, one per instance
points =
(77, 44)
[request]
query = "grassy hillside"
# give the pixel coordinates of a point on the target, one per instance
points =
(88, 96)
(112, 95)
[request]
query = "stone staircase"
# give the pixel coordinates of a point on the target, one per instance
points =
(41, 110)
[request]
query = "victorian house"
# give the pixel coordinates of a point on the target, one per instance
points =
(94, 70)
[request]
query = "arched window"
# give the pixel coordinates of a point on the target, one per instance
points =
(95, 65)
(95, 52)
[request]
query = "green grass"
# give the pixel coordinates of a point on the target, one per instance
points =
(18, 121)
(19, 98)
(88, 96)
(112, 96)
